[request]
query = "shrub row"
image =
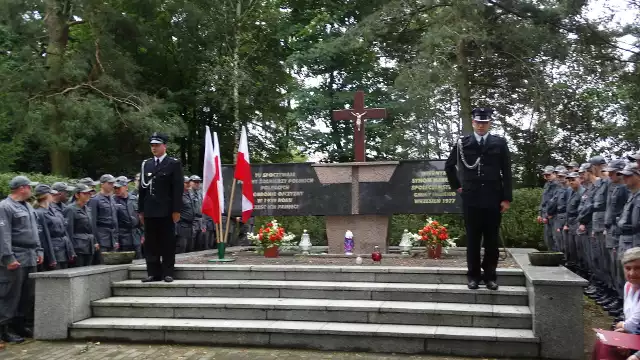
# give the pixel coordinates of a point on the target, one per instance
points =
(519, 228)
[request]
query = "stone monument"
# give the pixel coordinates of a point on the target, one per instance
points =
(359, 196)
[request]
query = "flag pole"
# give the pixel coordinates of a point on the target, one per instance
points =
(233, 191)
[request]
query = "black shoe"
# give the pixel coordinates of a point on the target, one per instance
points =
(603, 300)
(492, 285)
(150, 279)
(168, 279)
(615, 312)
(23, 331)
(473, 285)
(612, 305)
(9, 337)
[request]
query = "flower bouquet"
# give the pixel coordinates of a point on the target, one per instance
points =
(435, 237)
(270, 238)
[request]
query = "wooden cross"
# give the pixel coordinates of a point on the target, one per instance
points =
(358, 114)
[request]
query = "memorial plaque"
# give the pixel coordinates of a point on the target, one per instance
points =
(289, 190)
(416, 187)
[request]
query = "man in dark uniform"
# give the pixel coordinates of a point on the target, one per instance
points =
(549, 189)
(479, 168)
(159, 204)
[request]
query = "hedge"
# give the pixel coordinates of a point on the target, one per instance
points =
(519, 228)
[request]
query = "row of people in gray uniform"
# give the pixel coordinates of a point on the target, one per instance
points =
(591, 213)
(196, 231)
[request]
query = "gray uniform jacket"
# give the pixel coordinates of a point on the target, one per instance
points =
(80, 229)
(196, 195)
(105, 220)
(138, 231)
(53, 233)
(572, 209)
(585, 210)
(629, 221)
(547, 194)
(187, 215)
(617, 197)
(600, 204)
(19, 238)
(127, 219)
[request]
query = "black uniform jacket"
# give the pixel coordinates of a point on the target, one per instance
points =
(490, 183)
(164, 196)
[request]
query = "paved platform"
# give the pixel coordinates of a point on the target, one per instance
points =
(35, 350)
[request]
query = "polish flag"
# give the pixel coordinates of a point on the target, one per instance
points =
(243, 174)
(213, 200)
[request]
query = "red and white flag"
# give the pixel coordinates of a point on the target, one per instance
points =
(243, 174)
(213, 199)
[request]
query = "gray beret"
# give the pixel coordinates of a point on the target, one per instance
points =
(631, 255)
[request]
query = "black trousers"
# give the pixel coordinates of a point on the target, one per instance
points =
(159, 246)
(17, 296)
(482, 227)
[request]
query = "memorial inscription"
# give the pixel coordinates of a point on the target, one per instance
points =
(416, 187)
(291, 190)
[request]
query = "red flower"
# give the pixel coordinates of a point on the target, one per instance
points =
(259, 236)
(443, 236)
(269, 224)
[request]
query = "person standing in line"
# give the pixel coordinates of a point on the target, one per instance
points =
(557, 209)
(199, 227)
(590, 181)
(127, 217)
(574, 253)
(184, 227)
(598, 241)
(479, 169)
(80, 226)
(105, 218)
(20, 254)
(547, 193)
(52, 230)
(616, 198)
(159, 203)
(61, 197)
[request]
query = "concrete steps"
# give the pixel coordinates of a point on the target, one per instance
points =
(452, 293)
(338, 308)
(320, 310)
(335, 336)
(385, 274)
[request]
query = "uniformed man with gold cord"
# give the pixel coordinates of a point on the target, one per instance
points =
(479, 168)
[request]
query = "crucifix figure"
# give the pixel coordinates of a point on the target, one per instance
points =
(358, 114)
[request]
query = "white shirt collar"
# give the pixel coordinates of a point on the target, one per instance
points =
(161, 158)
(478, 137)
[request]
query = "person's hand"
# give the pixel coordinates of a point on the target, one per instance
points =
(504, 206)
(459, 190)
(141, 217)
(40, 260)
(97, 246)
(539, 219)
(633, 357)
(53, 265)
(204, 229)
(545, 221)
(620, 325)
(72, 260)
(549, 217)
(176, 217)
(565, 228)
(14, 265)
(142, 240)
(582, 227)
(116, 246)
(619, 330)
(558, 230)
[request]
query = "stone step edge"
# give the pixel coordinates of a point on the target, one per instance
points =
(322, 285)
(332, 268)
(515, 311)
(310, 327)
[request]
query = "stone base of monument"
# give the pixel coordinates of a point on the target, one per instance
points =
(537, 311)
(369, 231)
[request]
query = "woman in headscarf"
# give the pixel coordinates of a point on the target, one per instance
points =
(52, 230)
(631, 324)
(79, 226)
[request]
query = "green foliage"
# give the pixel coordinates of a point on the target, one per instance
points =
(39, 178)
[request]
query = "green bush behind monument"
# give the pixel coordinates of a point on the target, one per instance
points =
(518, 226)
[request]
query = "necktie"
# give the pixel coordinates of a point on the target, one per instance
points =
(482, 142)
(157, 162)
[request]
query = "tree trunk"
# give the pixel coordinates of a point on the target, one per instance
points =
(236, 73)
(58, 31)
(464, 87)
